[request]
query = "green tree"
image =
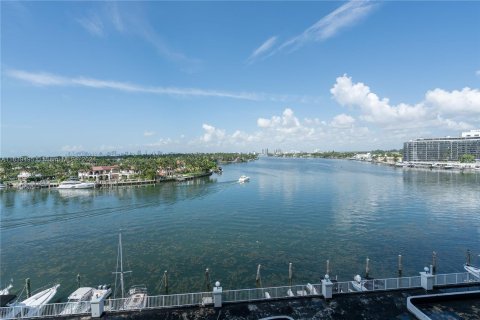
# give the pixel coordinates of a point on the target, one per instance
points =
(467, 158)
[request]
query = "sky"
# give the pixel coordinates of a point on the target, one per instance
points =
(227, 76)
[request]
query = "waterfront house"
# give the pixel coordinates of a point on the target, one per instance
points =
(24, 175)
(100, 173)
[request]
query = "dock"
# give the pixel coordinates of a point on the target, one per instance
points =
(385, 299)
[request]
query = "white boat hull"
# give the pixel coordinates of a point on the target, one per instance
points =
(474, 271)
(32, 306)
(83, 185)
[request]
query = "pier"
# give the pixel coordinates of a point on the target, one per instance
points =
(383, 299)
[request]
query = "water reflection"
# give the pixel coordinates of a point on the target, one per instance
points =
(293, 210)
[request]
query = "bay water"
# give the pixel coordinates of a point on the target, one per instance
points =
(303, 211)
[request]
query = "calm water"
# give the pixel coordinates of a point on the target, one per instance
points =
(293, 210)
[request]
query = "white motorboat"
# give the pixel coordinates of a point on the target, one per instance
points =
(102, 292)
(474, 271)
(32, 306)
(76, 184)
(137, 298)
(358, 284)
(78, 301)
(243, 179)
(6, 291)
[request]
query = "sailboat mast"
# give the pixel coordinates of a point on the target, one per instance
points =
(121, 263)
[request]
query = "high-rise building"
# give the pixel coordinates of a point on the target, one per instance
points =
(442, 149)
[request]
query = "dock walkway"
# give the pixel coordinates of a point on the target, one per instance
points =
(385, 299)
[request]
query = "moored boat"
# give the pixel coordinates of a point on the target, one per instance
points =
(243, 179)
(473, 270)
(33, 305)
(358, 284)
(76, 184)
(137, 295)
(6, 290)
(137, 298)
(78, 301)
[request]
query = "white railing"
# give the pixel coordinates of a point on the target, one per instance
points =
(242, 295)
(161, 301)
(47, 310)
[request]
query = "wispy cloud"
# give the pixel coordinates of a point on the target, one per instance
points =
(477, 73)
(48, 79)
(115, 16)
(327, 27)
(93, 24)
(148, 133)
(264, 48)
(134, 22)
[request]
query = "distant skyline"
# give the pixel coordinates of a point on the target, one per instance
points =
(235, 76)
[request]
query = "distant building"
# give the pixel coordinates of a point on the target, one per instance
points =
(24, 175)
(100, 173)
(442, 149)
(471, 134)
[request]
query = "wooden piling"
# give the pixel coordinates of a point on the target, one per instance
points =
(367, 268)
(27, 287)
(165, 281)
(399, 265)
(434, 262)
(258, 279)
(207, 281)
(290, 274)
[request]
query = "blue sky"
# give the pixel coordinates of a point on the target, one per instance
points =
(235, 76)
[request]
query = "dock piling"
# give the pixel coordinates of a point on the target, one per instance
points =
(468, 257)
(207, 280)
(367, 268)
(290, 274)
(258, 279)
(328, 267)
(78, 280)
(399, 265)
(27, 287)
(165, 281)
(434, 262)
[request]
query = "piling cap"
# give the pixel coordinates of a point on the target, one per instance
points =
(217, 284)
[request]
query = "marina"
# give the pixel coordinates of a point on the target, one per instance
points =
(324, 300)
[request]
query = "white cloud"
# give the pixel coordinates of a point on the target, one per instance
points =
(342, 121)
(93, 24)
(287, 132)
(115, 16)
(465, 101)
(287, 122)
(162, 142)
(69, 148)
(212, 134)
(330, 25)
(440, 109)
(264, 48)
(477, 73)
(149, 133)
(374, 109)
(39, 78)
(48, 79)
